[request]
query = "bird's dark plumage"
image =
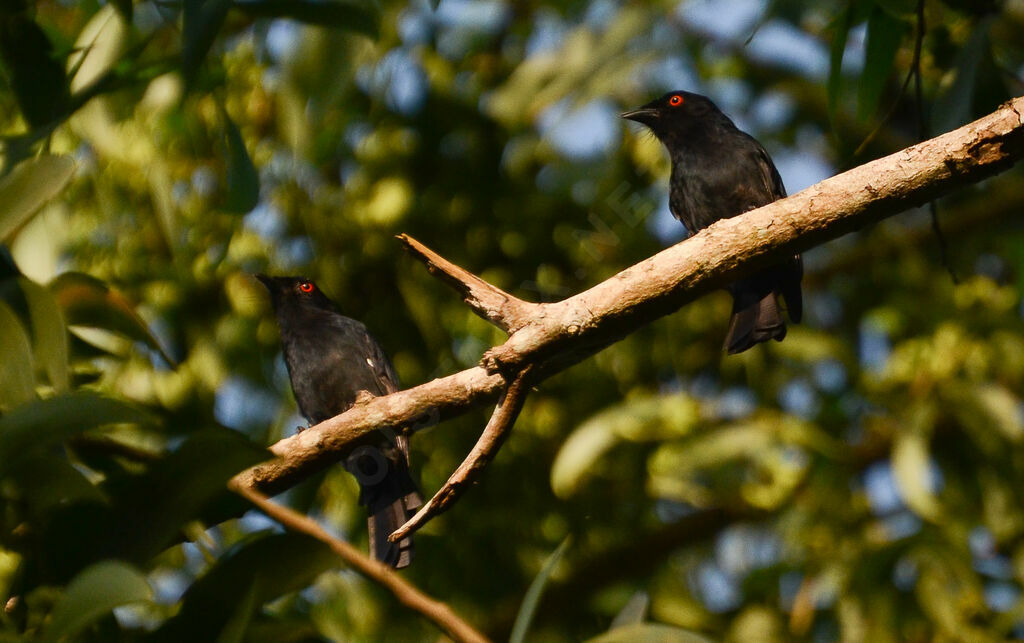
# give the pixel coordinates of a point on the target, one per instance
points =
(719, 171)
(330, 359)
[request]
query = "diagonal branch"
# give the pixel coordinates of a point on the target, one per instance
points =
(493, 436)
(433, 610)
(559, 333)
(490, 302)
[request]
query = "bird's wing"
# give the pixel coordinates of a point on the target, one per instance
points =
(770, 174)
(383, 371)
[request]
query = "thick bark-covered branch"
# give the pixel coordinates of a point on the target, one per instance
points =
(558, 334)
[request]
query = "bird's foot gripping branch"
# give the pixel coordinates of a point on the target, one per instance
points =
(549, 337)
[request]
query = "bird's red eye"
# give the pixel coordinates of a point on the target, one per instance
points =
(676, 100)
(306, 286)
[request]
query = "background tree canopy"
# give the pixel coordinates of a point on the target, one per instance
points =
(860, 481)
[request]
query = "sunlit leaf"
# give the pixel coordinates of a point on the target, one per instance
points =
(98, 47)
(534, 592)
(45, 422)
(361, 17)
(649, 633)
(242, 178)
(29, 187)
(49, 333)
(36, 77)
(17, 373)
(634, 611)
(885, 33)
(87, 301)
(912, 465)
(647, 419)
(94, 593)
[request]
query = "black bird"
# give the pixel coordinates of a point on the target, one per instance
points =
(719, 171)
(330, 359)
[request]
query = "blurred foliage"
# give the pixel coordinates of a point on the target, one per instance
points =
(860, 481)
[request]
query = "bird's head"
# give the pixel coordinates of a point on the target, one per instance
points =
(676, 113)
(293, 292)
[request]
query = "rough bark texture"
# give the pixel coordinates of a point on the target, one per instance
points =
(553, 336)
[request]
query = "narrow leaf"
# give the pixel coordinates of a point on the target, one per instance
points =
(650, 633)
(94, 593)
(885, 33)
(201, 21)
(36, 77)
(953, 106)
(242, 178)
(29, 187)
(532, 598)
(87, 301)
(634, 611)
(49, 333)
(362, 18)
(17, 384)
(45, 422)
(250, 575)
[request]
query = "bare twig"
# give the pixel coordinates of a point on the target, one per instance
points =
(493, 436)
(433, 610)
(718, 255)
(490, 302)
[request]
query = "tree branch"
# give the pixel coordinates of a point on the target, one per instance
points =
(493, 436)
(557, 334)
(435, 611)
(490, 302)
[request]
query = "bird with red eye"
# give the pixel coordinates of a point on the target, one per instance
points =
(719, 171)
(331, 360)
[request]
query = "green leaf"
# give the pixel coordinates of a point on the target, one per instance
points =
(17, 381)
(46, 481)
(243, 179)
(235, 629)
(885, 33)
(856, 11)
(532, 598)
(29, 186)
(903, 9)
(953, 107)
(911, 464)
(634, 611)
(49, 333)
(94, 593)
(362, 18)
(124, 7)
(152, 508)
(253, 573)
(87, 301)
(646, 419)
(36, 77)
(201, 21)
(46, 422)
(650, 633)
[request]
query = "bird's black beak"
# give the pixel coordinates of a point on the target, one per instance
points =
(265, 280)
(644, 115)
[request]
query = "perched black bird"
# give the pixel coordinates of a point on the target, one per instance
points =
(718, 172)
(331, 358)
